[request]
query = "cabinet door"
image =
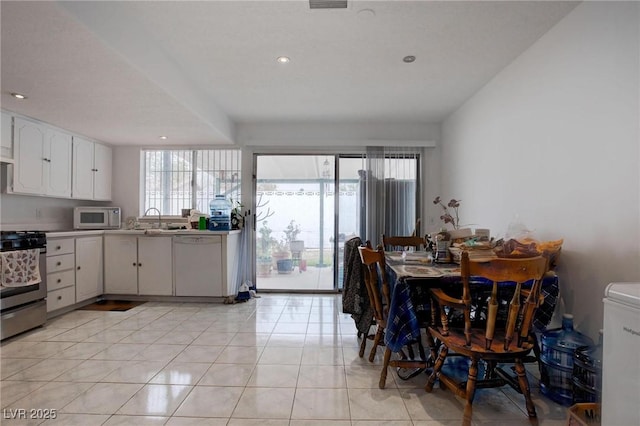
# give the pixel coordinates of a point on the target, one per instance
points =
(120, 264)
(82, 186)
(6, 136)
(58, 167)
(103, 158)
(88, 267)
(28, 171)
(155, 274)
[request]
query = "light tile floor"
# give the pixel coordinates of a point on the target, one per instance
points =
(274, 360)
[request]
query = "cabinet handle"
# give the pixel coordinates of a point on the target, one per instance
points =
(59, 297)
(78, 268)
(58, 247)
(135, 264)
(59, 280)
(59, 263)
(139, 264)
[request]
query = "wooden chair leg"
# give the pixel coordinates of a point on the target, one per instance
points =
(471, 389)
(376, 342)
(363, 344)
(524, 387)
(436, 368)
(385, 365)
(433, 350)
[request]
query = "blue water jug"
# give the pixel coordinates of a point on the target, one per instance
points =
(557, 347)
(220, 209)
(587, 373)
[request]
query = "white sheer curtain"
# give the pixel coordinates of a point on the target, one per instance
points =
(392, 196)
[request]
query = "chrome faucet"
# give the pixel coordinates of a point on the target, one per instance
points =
(159, 216)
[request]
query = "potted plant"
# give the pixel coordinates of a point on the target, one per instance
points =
(291, 233)
(263, 249)
(237, 220)
(282, 249)
(282, 256)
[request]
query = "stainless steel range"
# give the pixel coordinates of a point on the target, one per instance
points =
(23, 307)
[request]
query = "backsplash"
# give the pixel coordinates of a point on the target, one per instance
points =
(23, 212)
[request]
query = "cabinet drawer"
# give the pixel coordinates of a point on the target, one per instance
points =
(61, 280)
(57, 299)
(61, 246)
(60, 263)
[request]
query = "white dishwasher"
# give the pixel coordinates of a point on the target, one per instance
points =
(198, 265)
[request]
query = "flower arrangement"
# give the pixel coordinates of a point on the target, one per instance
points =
(446, 216)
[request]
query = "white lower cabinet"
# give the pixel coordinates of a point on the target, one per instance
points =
(120, 264)
(155, 273)
(74, 270)
(138, 265)
(88, 267)
(61, 274)
(61, 298)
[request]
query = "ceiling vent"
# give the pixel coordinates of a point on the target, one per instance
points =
(328, 4)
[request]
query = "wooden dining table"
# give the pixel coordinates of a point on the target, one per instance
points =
(410, 276)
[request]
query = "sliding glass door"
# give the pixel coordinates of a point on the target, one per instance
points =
(302, 221)
(295, 222)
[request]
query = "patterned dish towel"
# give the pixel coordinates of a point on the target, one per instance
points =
(20, 268)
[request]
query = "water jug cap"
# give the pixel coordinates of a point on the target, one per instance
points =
(567, 316)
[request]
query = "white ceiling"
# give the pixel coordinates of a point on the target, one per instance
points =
(128, 72)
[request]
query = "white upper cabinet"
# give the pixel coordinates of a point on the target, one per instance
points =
(49, 161)
(28, 172)
(57, 167)
(6, 137)
(91, 170)
(103, 159)
(82, 168)
(42, 160)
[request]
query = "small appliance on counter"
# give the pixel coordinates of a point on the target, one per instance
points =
(96, 217)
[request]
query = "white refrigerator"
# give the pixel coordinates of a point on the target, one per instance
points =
(621, 355)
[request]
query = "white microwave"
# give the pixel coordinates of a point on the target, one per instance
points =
(96, 218)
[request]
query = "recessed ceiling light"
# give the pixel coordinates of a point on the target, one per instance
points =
(163, 137)
(409, 59)
(283, 60)
(19, 96)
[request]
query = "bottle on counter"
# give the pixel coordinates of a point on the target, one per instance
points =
(220, 209)
(557, 347)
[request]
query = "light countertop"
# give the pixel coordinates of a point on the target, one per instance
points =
(150, 232)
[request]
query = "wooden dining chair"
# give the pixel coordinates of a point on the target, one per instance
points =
(487, 339)
(380, 298)
(399, 243)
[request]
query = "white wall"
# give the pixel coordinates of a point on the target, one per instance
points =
(554, 138)
(126, 180)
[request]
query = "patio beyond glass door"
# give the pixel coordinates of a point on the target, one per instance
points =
(295, 222)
